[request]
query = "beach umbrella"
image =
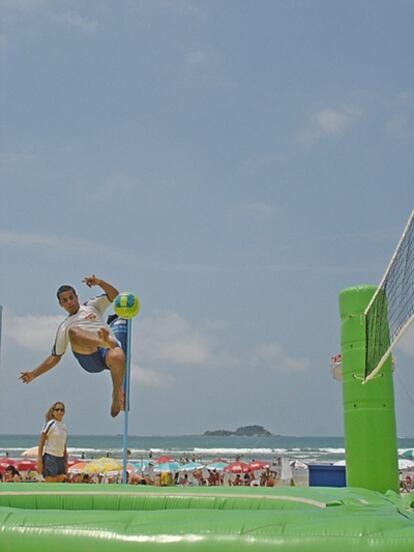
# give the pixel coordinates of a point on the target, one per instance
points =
(258, 465)
(73, 461)
(30, 453)
(217, 465)
(7, 462)
(191, 466)
(408, 453)
(4, 464)
(77, 467)
(237, 467)
(142, 464)
(102, 465)
(168, 467)
(130, 468)
(297, 464)
(163, 459)
(405, 464)
(26, 465)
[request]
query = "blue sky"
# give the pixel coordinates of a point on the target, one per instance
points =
(234, 163)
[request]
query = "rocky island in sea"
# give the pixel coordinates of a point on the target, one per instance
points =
(244, 431)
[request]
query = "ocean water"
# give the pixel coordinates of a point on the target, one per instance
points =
(305, 449)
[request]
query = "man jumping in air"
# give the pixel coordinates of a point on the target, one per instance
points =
(92, 341)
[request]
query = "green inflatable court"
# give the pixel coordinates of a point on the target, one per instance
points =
(43, 517)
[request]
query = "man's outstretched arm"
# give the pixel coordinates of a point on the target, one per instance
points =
(91, 281)
(49, 363)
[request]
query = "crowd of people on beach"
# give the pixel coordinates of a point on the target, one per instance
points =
(267, 477)
(236, 473)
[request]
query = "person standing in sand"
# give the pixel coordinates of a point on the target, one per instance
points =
(52, 459)
(92, 341)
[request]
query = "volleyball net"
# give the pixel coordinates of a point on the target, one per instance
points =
(391, 309)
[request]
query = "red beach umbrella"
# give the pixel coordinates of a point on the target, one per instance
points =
(258, 465)
(237, 467)
(76, 467)
(4, 464)
(26, 465)
(163, 459)
(73, 461)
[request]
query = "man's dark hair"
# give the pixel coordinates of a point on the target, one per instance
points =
(65, 288)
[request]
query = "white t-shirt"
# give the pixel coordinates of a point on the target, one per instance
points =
(56, 438)
(89, 317)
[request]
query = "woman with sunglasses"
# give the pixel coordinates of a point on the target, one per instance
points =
(52, 460)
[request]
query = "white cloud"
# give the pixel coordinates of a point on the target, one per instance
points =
(168, 338)
(329, 122)
(23, 239)
(196, 57)
(115, 185)
(150, 378)
(400, 128)
(16, 157)
(62, 244)
(164, 340)
(181, 7)
(36, 333)
(404, 99)
(32, 332)
(276, 357)
(79, 22)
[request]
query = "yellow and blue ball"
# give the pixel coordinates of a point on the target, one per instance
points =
(126, 305)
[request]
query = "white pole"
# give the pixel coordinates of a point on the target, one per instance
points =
(1, 321)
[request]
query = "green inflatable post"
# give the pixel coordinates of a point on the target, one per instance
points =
(369, 414)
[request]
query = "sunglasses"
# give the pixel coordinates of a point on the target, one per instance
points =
(59, 409)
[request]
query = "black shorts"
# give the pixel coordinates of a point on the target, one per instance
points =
(53, 465)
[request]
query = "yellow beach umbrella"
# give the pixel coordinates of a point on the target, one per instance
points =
(102, 465)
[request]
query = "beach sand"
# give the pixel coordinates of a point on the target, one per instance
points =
(301, 477)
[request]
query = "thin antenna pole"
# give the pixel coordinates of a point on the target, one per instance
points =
(1, 324)
(126, 390)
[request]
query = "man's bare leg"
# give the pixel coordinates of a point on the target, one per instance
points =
(107, 339)
(55, 478)
(85, 342)
(115, 360)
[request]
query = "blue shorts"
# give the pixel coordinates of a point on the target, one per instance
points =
(94, 362)
(53, 465)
